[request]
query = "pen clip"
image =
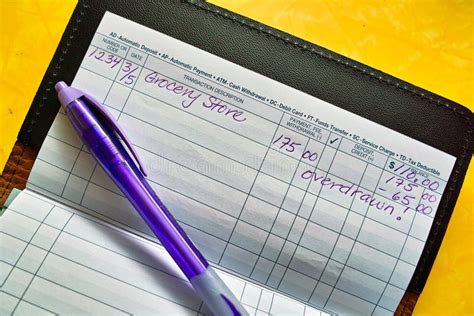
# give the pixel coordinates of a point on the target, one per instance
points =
(67, 94)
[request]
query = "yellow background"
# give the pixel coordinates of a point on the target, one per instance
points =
(428, 43)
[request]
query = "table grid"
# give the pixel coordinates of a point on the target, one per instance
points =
(255, 100)
(288, 268)
(253, 183)
(280, 207)
(398, 259)
(89, 180)
(334, 247)
(329, 296)
(263, 172)
(50, 252)
(42, 262)
(27, 244)
(259, 172)
(121, 63)
(82, 146)
(262, 117)
(68, 226)
(114, 192)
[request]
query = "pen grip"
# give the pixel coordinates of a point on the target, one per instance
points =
(216, 295)
(204, 279)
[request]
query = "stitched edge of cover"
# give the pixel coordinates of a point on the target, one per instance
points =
(297, 43)
(38, 112)
(57, 67)
(442, 210)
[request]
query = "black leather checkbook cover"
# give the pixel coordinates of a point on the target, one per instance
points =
(326, 75)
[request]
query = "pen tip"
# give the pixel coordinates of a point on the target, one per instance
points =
(59, 86)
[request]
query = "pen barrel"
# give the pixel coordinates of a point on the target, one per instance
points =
(204, 279)
(112, 156)
(158, 218)
(108, 150)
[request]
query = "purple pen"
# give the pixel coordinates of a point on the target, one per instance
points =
(102, 135)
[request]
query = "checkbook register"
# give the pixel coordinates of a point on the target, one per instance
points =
(314, 184)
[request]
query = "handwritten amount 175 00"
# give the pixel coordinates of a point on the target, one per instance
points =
(287, 144)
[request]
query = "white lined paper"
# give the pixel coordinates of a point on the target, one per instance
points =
(92, 267)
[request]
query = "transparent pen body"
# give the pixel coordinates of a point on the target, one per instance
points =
(105, 145)
(108, 150)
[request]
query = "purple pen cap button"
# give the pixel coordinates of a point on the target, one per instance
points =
(67, 94)
(60, 86)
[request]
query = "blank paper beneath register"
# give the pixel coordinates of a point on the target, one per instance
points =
(55, 260)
